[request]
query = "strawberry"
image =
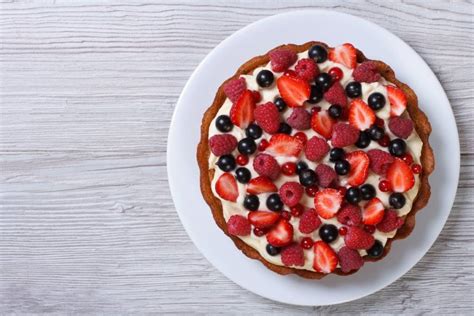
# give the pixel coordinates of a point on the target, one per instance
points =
(261, 185)
(263, 219)
(226, 187)
(361, 115)
(284, 145)
(400, 176)
(280, 235)
(241, 112)
(397, 99)
(295, 91)
(359, 172)
(322, 123)
(373, 212)
(325, 258)
(327, 202)
(345, 54)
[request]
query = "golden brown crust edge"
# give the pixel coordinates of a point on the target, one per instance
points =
(422, 126)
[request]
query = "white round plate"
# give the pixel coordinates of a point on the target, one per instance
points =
(255, 39)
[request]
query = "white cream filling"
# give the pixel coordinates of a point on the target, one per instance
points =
(414, 146)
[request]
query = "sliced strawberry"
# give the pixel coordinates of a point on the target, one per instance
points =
(359, 171)
(397, 99)
(345, 54)
(327, 202)
(261, 185)
(241, 112)
(400, 176)
(325, 258)
(295, 91)
(281, 235)
(322, 123)
(361, 115)
(373, 212)
(263, 219)
(285, 145)
(226, 187)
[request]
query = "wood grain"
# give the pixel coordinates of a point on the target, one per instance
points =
(87, 90)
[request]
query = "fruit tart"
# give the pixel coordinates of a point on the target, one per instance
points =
(314, 159)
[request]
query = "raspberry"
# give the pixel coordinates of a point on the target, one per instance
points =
(234, 88)
(300, 119)
(282, 58)
(222, 144)
(291, 193)
(309, 221)
(326, 175)
(350, 215)
(401, 127)
(238, 225)
(266, 165)
(336, 95)
(349, 259)
(316, 148)
(379, 161)
(306, 69)
(292, 255)
(267, 116)
(366, 72)
(357, 238)
(390, 221)
(344, 135)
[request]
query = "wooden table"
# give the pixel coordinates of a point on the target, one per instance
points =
(87, 224)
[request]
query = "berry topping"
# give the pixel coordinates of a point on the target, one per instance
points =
(297, 210)
(242, 160)
(280, 104)
(226, 187)
(253, 131)
(345, 54)
(336, 154)
(343, 230)
(373, 212)
(284, 128)
(323, 81)
(401, 127)
(291, 193)
(243, 175)
(336, 95)
(397, 200)
(288, 168)
(309, 221)
(312, 190)
(379, 161)
(261, 185)
(322, 123)
(357, 238)
(328, 233)
(336, 73)
(335, 111)
(364, 139)
(384, 186)
(266, 165)
(326, 175)
(327, 202)
(349, 259)
(226, 163)
(384, 141)
(282, 58)
(400, 176)
(285, 145)
(316, 148)
(265, 78)
(224, 124)
(241, 112)
(318, 53)
(353, 195)
(292, 255)
(354, 89)
(301, 137)
(366, 72)
(222, 144)
(376, 132)
(342, 167)
(390, 221)
(263, 145)
(376, 250)
(307, 243)
(407, 158)
(397, 147)
(274, 202)
(350, 215)
(267, 117)
(238, 225)
(359, 172)
(272, 251)
(251, 202)
(368, 191)
(247, 146)
(361, 115)
(306, 69)
(259, 232)
(325, 259)
(294, 91)
(344, 135)
(376, 101)
(397, 99)
(299, 119)
(263, 219)
(234, 88)
(416, 168)
(315, 96)
(281, 234)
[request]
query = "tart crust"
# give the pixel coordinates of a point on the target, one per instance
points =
(421, 124)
